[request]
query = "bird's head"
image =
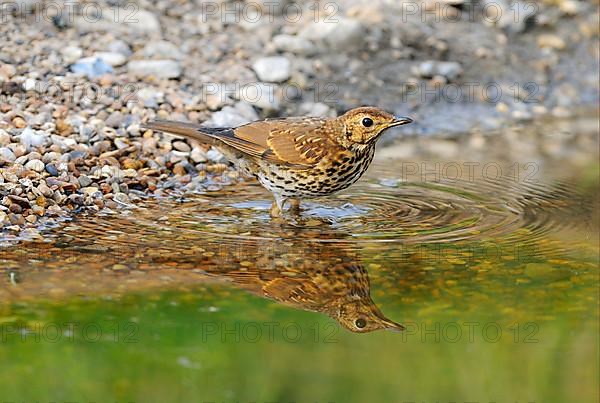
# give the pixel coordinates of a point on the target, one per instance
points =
(363, 316)
(364, 125)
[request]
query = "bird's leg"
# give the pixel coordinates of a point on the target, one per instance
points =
(295, 206)
(277, 206)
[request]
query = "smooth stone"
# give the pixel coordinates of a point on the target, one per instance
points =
(181, 146)
(52, 170)
(29, 138)
(6, 155)
(150, 97)
(157, 68)
(315, 109)
(551, 41)
(92, 67)
(139, 22)
(274, 69)
(45, 190)
(119, 46)
(71, 54)
(115, 120)
(197, 155)
(345, 34)
(294, 44)
(261, 95)
(121, 198)
(431, 68)
(4, 138)
(35, 165)
(84, 181)
(4, 220)
(112, 58)
(232, 116)
(272, 7)
(215, 155)
(163, 50)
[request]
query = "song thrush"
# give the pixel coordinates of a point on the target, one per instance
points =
(298, 157)
(325, 277)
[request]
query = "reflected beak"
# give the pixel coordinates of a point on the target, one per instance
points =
(399, 121)
(393, 326)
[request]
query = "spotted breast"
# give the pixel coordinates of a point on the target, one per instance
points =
(328, 176)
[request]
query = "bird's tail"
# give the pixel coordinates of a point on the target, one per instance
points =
(189, 130)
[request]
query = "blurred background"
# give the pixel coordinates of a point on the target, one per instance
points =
(454, 65)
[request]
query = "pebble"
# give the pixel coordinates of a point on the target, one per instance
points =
(344, 34)
(261, 95)
(121, 198)
(71, 54)
(231, 116)
(4, 138)
(84, 181)
(45, 190)
(162, 50)
(30, 138)
(51, 169)
(156, 68)
(551, 41)
(92, 67)
(215, 155)
(114, 59)
(274, 69)
(35, 165)
(294, 44)
(6, 155)
(119, 46)
(197, 155)
(181, 146)
(115, 119)
(561, 112)
(431, 68)
(4, 220)
(149, 97)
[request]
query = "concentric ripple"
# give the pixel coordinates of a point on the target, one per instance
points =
(380, 211)
(183, 238)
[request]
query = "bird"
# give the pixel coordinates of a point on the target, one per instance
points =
(324, 277)
(296, 158)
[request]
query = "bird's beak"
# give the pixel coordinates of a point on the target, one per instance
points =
(399, 121)
(393, 326)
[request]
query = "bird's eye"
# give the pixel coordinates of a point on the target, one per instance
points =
(360, 323)
(367, 122)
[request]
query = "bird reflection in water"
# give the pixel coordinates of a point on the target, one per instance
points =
(313, 275)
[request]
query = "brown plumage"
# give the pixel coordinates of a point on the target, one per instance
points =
(299, 157)
(321, 277)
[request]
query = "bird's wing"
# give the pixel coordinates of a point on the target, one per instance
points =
(296, 291)
(292, 141)
(299, 142)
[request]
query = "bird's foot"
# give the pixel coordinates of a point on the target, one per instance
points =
(275, 211)
(295, 206)
(277, 208)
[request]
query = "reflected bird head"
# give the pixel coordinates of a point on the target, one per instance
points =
(363, 316)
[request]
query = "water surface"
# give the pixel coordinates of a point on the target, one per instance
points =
(201, 296)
